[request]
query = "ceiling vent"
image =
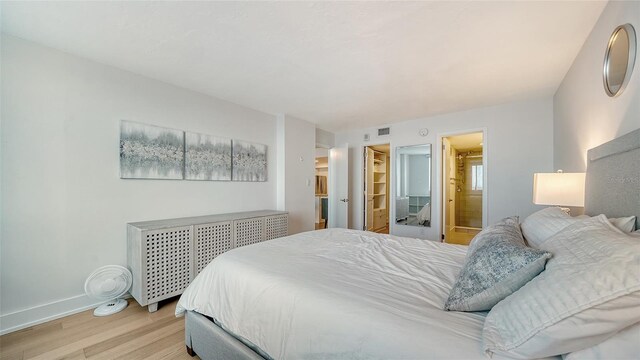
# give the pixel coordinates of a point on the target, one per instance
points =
(383, 131)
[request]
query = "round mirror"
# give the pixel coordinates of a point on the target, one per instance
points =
(619, 59)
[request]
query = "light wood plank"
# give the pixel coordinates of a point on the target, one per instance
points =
(79, 333)
(17, 339)
(68, 348)
(174, 351)
(133, 333)
(70, 328)
(131, 345)
(16, 355)
(76, 355)
(150, 349)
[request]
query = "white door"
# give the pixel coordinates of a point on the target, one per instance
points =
(447, 201)
(339, 187)
(451, 191)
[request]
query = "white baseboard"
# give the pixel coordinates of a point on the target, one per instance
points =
(42, 313)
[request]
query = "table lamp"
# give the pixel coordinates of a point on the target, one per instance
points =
(559, 189)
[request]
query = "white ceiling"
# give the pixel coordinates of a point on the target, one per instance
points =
(340, 65)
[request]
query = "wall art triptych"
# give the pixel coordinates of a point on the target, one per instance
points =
(153, 152)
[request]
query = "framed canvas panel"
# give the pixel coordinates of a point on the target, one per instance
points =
(150, 152)
(249, 161)
(207, 157)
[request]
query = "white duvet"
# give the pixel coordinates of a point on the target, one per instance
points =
(339, 294)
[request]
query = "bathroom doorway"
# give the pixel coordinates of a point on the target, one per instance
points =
(464, 186)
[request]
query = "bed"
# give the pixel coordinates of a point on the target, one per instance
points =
(346, 294)
(424, 215)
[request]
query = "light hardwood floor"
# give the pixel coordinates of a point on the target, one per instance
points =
(131, 334)
(384, 230)
(460, 236)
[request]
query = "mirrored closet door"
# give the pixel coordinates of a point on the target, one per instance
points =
(413, 185)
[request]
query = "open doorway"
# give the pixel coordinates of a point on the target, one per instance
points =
(377, 171)
(463, 187)
(322, 189)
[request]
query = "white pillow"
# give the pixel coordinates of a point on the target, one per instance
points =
(589, 291)
(623, 345)
(625, 224)
(543, 224)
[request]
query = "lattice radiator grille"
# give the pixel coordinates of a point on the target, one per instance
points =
(164, 256)
(168, 269)
(211, 241)
(276, 226)
(249, 231)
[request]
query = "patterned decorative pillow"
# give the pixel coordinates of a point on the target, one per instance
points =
(498, 263)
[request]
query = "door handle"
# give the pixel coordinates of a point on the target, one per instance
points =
(344, 200)
(450, 200)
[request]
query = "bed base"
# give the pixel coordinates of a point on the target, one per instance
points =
(209, 341)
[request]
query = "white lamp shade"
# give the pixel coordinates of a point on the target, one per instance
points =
(563, 189)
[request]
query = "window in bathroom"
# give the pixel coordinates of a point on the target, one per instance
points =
(476, 177)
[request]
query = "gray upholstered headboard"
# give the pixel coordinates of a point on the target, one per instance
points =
(613, 178)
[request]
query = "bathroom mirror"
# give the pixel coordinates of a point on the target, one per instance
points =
(413, 185)
(619, 59)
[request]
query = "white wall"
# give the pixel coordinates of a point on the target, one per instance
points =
(64, 207)
(519, 141)
(325, 139)
(296, 146)
(322, 152)
(584, 116)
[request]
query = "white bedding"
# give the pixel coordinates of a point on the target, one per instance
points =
(424, 214)
(340, 294)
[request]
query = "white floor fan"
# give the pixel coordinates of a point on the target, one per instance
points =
(109, 283)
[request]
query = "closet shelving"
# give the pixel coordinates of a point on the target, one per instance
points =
(379, 181)
(322, 172)
(377, 188)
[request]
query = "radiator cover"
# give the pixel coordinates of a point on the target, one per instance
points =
(164, 256)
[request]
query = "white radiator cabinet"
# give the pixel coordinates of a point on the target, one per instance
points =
(164, 256)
